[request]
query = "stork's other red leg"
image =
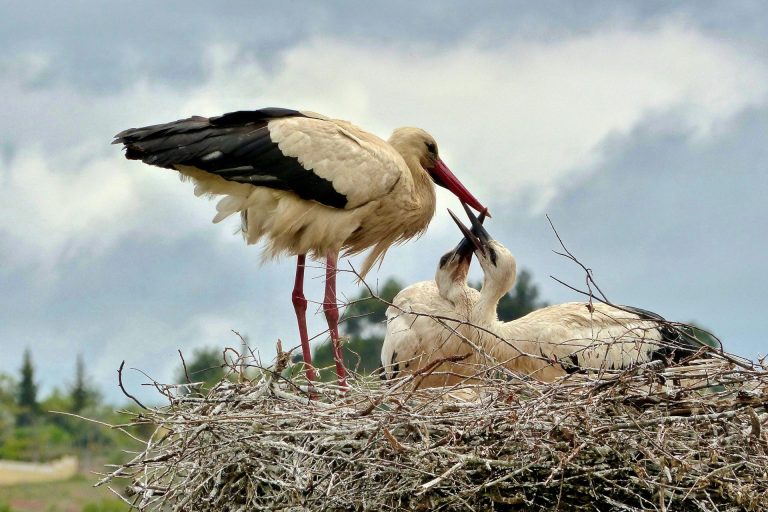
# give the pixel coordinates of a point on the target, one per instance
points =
(331, 309)
(300, 306)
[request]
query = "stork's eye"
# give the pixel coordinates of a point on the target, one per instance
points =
(431, 147)
(492, 255)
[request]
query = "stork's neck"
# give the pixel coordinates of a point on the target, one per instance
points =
(423, 186)
(484, 312)
(504, 342)
(463, 298)
(499, 275)
(420, 187)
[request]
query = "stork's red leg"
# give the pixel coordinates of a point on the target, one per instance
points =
(300, 306)
(331, 309)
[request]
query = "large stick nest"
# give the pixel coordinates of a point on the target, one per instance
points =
(684, 437)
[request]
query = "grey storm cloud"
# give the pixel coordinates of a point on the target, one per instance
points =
(670, 226)
(102, 46)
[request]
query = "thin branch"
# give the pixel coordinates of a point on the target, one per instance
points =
(587, 271)
(122, 388)
(184, 365)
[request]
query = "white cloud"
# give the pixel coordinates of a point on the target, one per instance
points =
(63, 206)
(511, 117)
(519, 116)
(60, 210)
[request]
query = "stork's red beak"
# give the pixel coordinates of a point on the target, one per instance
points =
(443, 176)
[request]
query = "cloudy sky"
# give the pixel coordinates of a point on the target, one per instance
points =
(638, 127)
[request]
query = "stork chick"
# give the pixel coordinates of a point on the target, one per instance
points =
(423, 318)
(553, 341)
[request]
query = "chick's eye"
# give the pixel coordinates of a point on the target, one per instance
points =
(444, 260)
(492, 254)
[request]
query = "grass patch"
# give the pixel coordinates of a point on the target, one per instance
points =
(74, 495)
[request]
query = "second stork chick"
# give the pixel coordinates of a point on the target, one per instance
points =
(564, 338)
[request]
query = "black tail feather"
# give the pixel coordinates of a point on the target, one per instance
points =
(679, 341)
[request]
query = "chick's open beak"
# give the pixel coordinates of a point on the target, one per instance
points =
(471, 241)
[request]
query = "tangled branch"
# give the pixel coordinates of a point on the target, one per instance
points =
(621, 442)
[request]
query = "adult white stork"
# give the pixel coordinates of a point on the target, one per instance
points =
(423, 319)
(563, 338)
(308, 184)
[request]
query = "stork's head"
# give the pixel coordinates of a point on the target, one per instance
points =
(451, 274)
(499, 265)
(414, 144)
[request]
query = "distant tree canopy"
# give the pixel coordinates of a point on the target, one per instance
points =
(363, 323)
(7, 406)
(31, 429)
(206, 365)
(26, 397)
(7, 390)
(81, 394)
(365, 312)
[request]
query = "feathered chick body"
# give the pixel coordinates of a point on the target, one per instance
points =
(559, 339)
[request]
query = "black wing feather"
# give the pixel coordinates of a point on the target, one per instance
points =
(678, 340)
(243, 117)
(236, 146)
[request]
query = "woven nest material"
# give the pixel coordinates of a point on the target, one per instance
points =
(682, 437)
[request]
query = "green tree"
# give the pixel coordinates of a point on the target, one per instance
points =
(206, 366)
(26, 397)
(7, 407)
(8, 391)
(365, 312)
(360, 354)
(81, 394)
